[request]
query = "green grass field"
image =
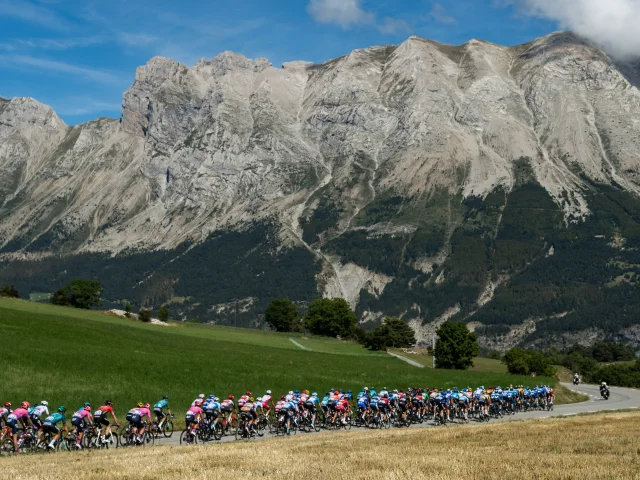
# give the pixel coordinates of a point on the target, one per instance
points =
(68, 356)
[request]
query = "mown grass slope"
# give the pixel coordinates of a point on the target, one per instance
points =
(603, 446)
(70, 356)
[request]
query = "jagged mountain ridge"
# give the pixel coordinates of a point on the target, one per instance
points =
(385, 144)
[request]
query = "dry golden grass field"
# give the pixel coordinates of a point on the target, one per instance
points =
(603, 446)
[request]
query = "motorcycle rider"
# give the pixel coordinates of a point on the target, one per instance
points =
(576, 379)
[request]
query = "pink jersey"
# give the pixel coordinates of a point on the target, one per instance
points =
(21, 413)
(196, 410)
(82, 414)
(144, 412)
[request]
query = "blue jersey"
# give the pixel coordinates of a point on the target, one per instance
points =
(161, 404)
(55, 418)
(455, 395)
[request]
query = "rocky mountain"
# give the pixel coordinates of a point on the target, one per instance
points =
(496, 185)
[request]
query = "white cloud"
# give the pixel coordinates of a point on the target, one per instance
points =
(345, 13)
(614, 24)
(136, 39)
(29, 12)
(392, 26)
(439, 14)
(350, 13)
(40, 64)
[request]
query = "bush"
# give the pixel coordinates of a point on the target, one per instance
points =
(525, 362)
(145, 315)
(79, 294)
(9, 291)
(392, 333)
(494, 355)
(282, 316)
(163, 313)
(127, 310)
(331, 317)
(456, 346)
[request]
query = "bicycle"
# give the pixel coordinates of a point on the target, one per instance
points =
(166, 429)
(128, 438)
(95, 439)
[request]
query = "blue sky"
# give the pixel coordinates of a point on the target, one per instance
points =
(80, 56)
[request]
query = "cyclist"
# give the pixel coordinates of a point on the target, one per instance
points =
(36, 413)
(311, 405)
(158, 410)
(228, 408)
(211, 407)
(248, 410)
(19, 415)
(80, 419)
(198, 401)
(243, 399)
(50, 426)
(266, 398)
(193, 417)
(135, 417)
(100, 418)
(4, 413)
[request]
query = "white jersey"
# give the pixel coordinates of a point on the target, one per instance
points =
(39, 410)
(266, 398)
(384, 394)
(197, 402)
(289, 398)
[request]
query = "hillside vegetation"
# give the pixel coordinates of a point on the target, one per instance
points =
(588, 447)
(69, 356)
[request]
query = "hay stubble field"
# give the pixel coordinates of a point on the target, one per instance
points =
(602, 446)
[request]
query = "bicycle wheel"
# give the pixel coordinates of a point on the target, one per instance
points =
(217, 431)
(167, 428)
(125, 439)
(261, 427)
(187, 438)
(6, 447)
(239, 430)
(149, 439)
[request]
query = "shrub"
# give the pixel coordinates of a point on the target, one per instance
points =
(9, 291)
(79, 294)
(163, 313)
(145, 315)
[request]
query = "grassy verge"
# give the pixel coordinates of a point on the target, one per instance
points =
(564, 395)
(590, 447)
(68, 356)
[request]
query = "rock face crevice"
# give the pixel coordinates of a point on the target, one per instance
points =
(360, 146)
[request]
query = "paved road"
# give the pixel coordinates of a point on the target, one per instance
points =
(620, 398)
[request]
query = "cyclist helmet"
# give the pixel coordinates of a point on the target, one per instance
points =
(251, 399)
(290, 392)
(7, 405)
(87, 408)
(306, 392)
(296, 392)
(230, 397)
(341, 391)
(349, 391)
(25, 405)
(140, 405)
(395, 391)
(44, 403)
(366, 389)
(165, 397)
(315, 394)
(201, 395)
(147, 405)
(216, 399)
(62, 409)
(282, 397)
(108, 403)
(268, 392)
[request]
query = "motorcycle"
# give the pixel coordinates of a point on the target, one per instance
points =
(576, 381)
(604, 391)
